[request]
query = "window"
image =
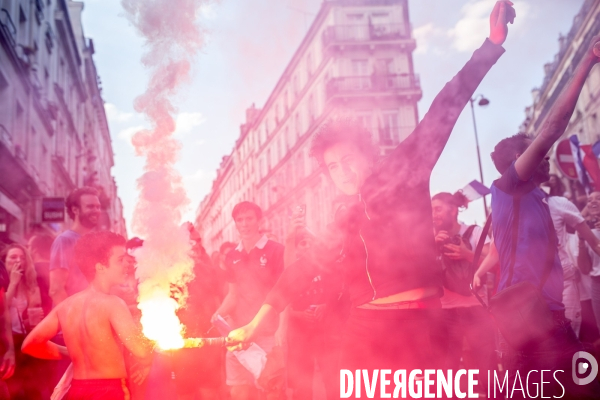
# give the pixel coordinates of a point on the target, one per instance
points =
(282, 146)
(380, 15)
(300, 166)
(296, 86)
(261, 168)
(408, 121)
(388, 133)
(311, 109)
(269, 161)
(384, 66)
(297, 125)
(49, 39)
(354, 17)
(263, 135)
(365, 121)
(44, 165)
(286, 139)
(19, 133)
(359, 67)
(309, 65)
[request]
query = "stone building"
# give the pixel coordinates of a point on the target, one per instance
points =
(54, 134)
(356, 58)
(585, 122)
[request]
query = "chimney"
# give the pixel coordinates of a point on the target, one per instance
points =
(251, 114)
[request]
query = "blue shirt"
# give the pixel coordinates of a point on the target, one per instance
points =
(535, 234)
(62, 257)
(254, 274)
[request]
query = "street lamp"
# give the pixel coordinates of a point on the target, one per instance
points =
(482, 102)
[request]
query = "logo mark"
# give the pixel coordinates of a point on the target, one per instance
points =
(236, 261)
(590, 365)
(263, 260)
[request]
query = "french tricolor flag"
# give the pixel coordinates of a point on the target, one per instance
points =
(475, 190)
(585, 157)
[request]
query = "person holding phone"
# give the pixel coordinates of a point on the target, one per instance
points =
(25, 308)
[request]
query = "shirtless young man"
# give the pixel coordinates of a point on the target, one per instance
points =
(95, 324)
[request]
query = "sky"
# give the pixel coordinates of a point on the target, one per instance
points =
(248, 44)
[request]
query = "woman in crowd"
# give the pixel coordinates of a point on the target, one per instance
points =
(24, 303)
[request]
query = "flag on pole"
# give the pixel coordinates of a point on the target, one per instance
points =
(475, 190)
(586, 163)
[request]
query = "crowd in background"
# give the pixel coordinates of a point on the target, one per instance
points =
(307, 334)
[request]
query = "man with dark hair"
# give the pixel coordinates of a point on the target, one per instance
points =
(95, 324)
(526, 239)
(506, 150)
(388, 262)
(244, 207)
(252, 268)
(83, 207)
(344, 129)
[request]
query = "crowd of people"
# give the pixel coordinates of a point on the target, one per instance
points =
(397, 281)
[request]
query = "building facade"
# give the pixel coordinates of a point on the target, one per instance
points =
(54, 134)
(585, 122)
(356, 59)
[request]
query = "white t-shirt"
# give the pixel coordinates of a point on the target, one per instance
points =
(564, 213)
(453, 299)
(595, 257)
(585, 282)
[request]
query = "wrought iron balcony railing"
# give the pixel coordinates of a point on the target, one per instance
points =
(361, 33)
(371, 84)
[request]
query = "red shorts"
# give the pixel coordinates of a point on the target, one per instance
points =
(98, 389)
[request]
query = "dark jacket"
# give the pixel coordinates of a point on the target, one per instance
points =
(389, 245)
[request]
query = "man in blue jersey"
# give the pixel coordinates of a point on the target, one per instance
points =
(526, 240)
(84, 208)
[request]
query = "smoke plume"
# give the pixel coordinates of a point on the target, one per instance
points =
(172, 39)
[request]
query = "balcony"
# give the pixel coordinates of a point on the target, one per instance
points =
(365, 34)
(407, 84)
(8, 27)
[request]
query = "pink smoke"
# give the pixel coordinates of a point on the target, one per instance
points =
(173, 38)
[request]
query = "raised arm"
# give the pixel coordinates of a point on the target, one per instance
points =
(426, 143)
(584, 231)
(37, 343)
(491, 259)
(558, 119)
(295, 279)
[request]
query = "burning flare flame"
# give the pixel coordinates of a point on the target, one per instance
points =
(160, 322)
